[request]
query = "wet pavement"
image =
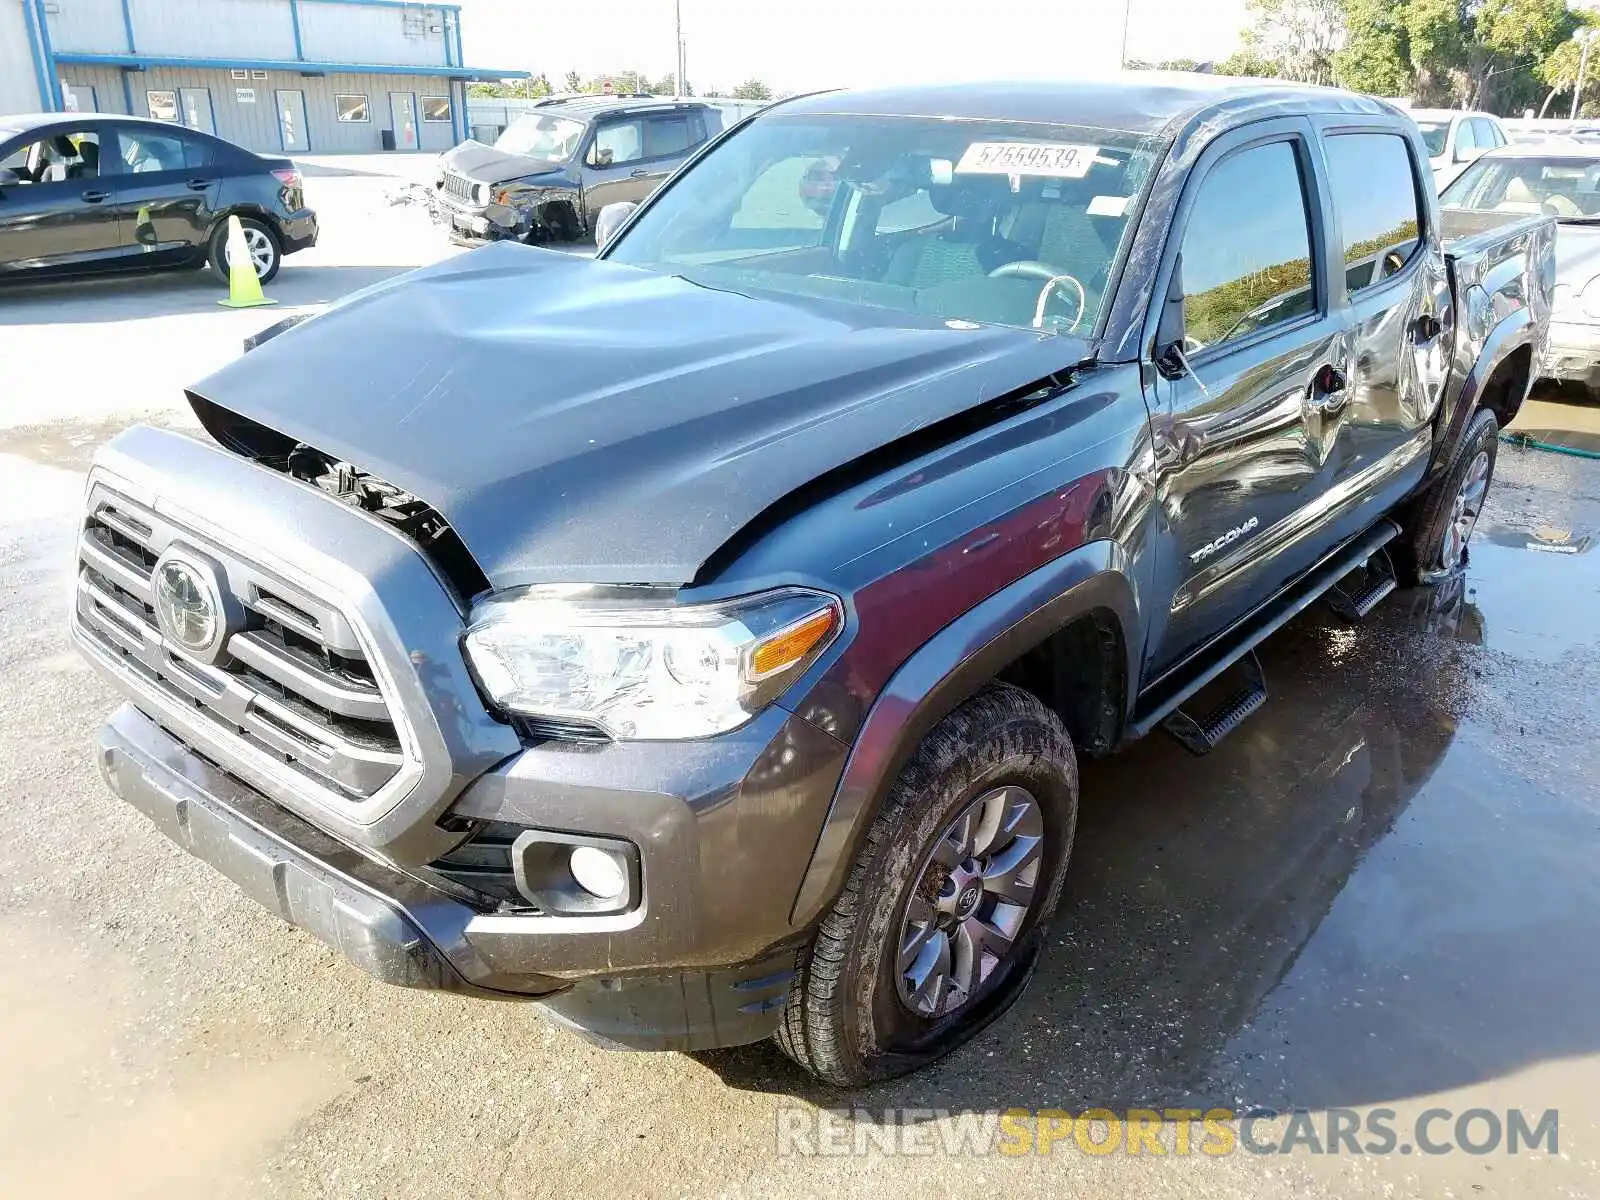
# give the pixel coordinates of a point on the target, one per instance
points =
(1380, 893)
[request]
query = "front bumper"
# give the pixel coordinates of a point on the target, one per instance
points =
(1573, 354)
(407, 932)
(488, 223)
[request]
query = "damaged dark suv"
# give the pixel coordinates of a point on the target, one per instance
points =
(547, 177)
(702, 639)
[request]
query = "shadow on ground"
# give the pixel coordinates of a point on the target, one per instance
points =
(1347, 903)
(173, 293)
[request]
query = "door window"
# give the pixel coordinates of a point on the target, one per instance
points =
(668, 134)
(1464, 140)
(617, 143)
(1243, 276)
(1485, 134)
(1375, 196)
(142, 152)
(59, 158)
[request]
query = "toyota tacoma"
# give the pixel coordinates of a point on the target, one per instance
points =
(702, 639)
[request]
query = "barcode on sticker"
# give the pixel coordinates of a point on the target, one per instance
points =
(1056, 159)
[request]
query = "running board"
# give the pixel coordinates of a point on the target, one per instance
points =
(1226, 649)
(1202, 735)
(1380, 581)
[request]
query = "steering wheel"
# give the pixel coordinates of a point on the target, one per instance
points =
(1028, 268)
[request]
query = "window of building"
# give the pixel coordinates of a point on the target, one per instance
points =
(436, 108)
(240, 73)
(163, 106)
(351, 108)
(616, 144)
(1240, 277)
(1375, 194)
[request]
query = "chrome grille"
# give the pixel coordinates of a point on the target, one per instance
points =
(293, 683)
(459, 187)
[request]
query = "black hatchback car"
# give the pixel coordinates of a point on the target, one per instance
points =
(82, 193)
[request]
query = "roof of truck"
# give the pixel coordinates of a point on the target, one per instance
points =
(1145, 102)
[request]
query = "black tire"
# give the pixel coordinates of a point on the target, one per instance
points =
(217, 253)
(1425, 542)
(846, 1021)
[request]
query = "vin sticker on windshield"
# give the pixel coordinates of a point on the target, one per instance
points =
(1056, 159)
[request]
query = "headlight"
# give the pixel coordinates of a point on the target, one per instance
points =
(630, 663)
(480, 193)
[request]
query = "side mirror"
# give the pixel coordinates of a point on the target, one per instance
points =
(603, 157)
(9, 178)
(612, 217)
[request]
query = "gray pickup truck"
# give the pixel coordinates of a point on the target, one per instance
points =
(547, 177)
(702, 639)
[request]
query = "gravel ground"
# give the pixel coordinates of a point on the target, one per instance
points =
(1381, 893)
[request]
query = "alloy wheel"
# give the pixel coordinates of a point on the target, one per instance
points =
(262, 251)
(970, 900)
(1464, 510)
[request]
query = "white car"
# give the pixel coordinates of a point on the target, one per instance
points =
(1455, 139)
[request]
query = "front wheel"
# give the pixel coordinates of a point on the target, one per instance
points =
(265, 256)
(1433, 544)
(938, 927)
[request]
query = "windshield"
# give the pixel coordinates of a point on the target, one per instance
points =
(1565, 187)
(1433, 135)
(998, 222)
(545, 136)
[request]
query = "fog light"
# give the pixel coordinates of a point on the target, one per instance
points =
(598, 872)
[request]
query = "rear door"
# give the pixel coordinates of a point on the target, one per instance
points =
(1239, 485)
(1373, 436)
(168, 192)
(62, 214)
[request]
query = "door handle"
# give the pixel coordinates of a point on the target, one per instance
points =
(1327, 390)
(637, 173)
(198, 185)
(94, 197)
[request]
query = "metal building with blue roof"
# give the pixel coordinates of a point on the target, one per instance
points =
(292, 76)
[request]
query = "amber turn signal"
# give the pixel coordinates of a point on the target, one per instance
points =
(786, 647)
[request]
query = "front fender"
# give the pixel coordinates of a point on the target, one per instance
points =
(1483, 348)
(949, 668)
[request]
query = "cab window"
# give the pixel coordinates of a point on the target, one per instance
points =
(1241, 277)
(1375, 196)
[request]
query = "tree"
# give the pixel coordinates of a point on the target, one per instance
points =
(1298, 37)
(1249, 62)
(752, 89)
(1166, 64)
(1376, 54)
(574, 82)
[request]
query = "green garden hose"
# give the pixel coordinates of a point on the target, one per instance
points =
(1528, 443)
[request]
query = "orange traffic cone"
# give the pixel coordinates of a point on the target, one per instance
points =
(244, 287)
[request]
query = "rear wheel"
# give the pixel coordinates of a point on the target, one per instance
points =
(259, 241)
(938, 927)
(1433, 543)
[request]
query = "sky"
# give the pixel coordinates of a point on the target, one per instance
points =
(797, 45)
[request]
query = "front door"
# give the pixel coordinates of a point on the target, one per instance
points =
(403, 116)
(195, 105)
(1240, 484)
(614, 169)
(292, 136)
(59, 211)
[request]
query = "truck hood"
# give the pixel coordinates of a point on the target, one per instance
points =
(485, 164)
(578, 421)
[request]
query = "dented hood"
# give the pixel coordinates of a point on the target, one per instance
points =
(485, 164)
(582, 422)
